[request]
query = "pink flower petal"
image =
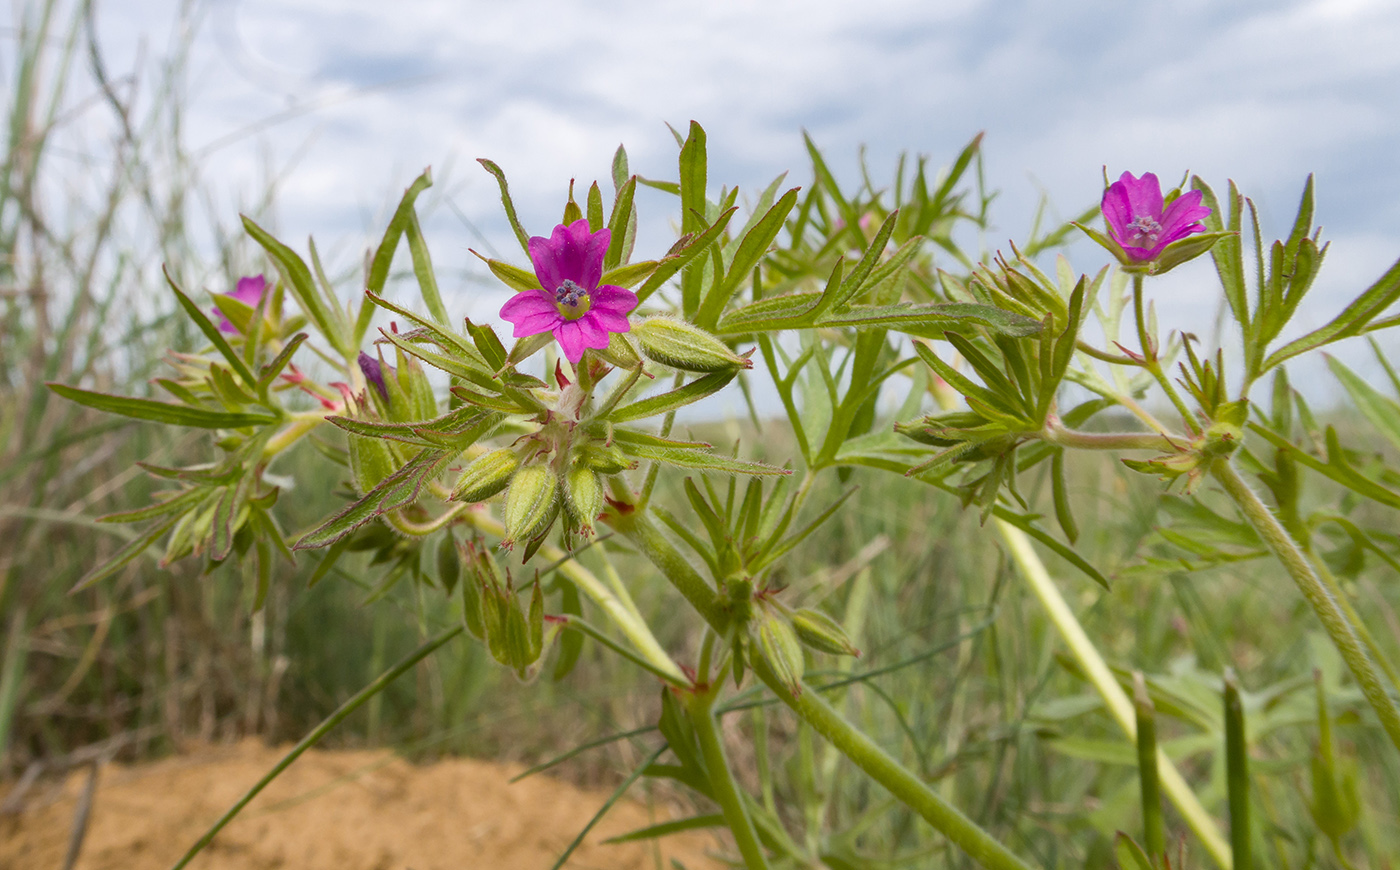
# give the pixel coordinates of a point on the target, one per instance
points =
(570, 338)
(612, 298)
(571, 253)
(534, 324)
(528, 303)
(1117, 213)
(594, 335)
(1144, 195)
(250, 290)
(1184, 211)
(546, 264)
(610, 320)
(596, 248)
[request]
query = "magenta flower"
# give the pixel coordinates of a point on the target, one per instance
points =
(249, 291)
(1133, 209)
(581, 314)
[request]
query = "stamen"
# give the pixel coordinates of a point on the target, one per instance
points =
(569, 293)
(1144, 226)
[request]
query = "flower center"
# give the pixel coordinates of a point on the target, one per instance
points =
(1144, 228)
(571, 300)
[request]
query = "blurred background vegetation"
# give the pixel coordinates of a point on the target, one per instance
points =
(974, 691)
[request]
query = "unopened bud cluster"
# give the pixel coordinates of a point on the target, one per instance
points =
(491, 608)
(778, 635)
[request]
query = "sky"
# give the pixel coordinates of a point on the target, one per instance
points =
(348, 101)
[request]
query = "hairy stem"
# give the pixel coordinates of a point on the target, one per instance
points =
(1112, 440)
(1333, 619)
(1335, 587)
(726, 791)
(849, 740)
(901, 782)
(1149, 353)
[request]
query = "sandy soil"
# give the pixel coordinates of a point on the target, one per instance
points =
(347, 810)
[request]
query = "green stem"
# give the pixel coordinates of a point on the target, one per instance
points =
(1053, 434)
(901, 782)
(726, 791)
(849, 740)
(1237, 773)
(654, 545)
(1149, 353)
(299, 426)
(1114, 698)
(1154, 834)
(1335, 587)
(1333, 619)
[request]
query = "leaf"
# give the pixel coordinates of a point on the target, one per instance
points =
(520, 234)
(1352, 321)
(622, 222)
(1130, 855)
(395, 491)
(673, 399)
(405, 219)
(125, 555)
(514, 277)
(712, 820)
(924, 319)
(403, 432)
(694, 246)
(855, 281)
(268, 373)
(1334, 468)
(751, 249)
(329, 319)
(175, 503)
(163, 412)
(1381, 410)
(211, 332)
(703, 460)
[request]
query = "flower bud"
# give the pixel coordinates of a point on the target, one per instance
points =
(686, 346)
(486, 475)
(778, 644)
(449, 567)
(530, 503)
(583, 496)
(480, 593)
(822, 633)
(604, 459)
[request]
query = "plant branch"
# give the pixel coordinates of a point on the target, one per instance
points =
(726, 791)
(1333, 619)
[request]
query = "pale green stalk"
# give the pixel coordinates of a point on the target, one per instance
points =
(301, 424)
(1338, 627)
(1114, 698)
